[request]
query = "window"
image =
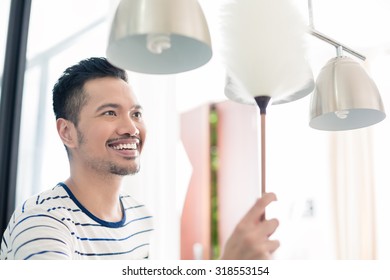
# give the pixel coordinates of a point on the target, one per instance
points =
(4, 15)
(61, 33)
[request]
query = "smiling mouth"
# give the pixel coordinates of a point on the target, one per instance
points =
(127, 150)
(128, 146)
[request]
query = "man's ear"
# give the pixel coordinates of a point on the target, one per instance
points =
(67, 132)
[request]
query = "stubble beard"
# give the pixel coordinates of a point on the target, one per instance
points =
(123, 171)
(107, 167)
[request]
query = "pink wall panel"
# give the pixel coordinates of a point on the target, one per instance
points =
(239, 166)
(195, 220)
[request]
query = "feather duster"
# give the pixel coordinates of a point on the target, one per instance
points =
(264, 49)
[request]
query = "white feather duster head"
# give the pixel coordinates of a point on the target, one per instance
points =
(264, 48)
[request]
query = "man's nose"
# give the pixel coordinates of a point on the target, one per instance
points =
(129, 126)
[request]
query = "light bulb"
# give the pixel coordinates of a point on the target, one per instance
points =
(342, 114)
(157, 43)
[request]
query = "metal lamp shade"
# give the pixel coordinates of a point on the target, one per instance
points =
(159, 37)
(345, 97)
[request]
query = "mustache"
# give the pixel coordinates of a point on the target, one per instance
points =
(125, 137)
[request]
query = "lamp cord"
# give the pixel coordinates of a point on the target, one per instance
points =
(311, 20)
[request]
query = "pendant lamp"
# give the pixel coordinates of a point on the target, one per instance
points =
(159, 36)
(345, 97)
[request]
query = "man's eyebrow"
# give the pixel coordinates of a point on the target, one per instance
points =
(137, 107)
(116, 106)
(107, 105)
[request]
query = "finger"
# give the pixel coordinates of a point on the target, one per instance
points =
(266, 249)
(258, 208)
(264, 230)
(268, 227)
(273, 245)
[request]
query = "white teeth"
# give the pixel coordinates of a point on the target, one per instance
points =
(130, 146)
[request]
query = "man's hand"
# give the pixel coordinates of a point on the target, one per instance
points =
(250, 239)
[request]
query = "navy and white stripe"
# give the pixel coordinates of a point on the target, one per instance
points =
(55, 225)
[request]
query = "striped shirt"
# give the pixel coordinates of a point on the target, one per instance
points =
(54, 225)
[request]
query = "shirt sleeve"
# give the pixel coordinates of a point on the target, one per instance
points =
(38, 236)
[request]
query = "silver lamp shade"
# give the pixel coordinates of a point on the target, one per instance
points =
(159, 37)
(345, 97)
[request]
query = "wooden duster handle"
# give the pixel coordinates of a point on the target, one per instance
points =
(262, 102)
(263, 160)
(263, 157)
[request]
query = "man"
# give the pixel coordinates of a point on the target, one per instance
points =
(100, 122)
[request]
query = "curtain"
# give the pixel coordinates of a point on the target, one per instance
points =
(353, 194)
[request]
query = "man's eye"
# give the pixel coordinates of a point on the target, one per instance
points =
(138, 115)
(109, 113)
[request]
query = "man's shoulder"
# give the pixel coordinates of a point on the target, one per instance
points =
(39, 223)
(45, 202)
(38, 213)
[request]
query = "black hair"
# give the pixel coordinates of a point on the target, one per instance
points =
(68, 94)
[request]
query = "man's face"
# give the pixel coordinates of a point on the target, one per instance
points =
(111, 131)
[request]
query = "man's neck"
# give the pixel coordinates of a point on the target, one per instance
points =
(99, 194)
